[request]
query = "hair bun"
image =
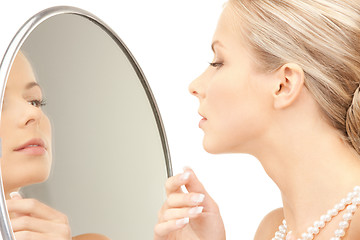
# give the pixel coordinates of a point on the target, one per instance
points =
(353, 121)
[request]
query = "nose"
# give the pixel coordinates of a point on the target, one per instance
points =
(32, 115)
(196, 87)
(192, 88)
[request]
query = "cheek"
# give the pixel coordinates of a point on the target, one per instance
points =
(238, 116)
(47, 126)
(230, 101)
(46, 129)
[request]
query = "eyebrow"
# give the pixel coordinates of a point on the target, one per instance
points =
(31, 85)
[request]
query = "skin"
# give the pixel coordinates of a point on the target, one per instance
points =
(22, 119)
(273, 117)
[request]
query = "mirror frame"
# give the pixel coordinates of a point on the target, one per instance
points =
(6, 64)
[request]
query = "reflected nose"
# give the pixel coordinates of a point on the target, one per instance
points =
(32, 115)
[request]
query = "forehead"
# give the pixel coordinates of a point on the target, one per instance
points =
(227, 31)
(21, 73)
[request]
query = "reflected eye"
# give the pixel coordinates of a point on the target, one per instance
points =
(216, 64)
(37, 103)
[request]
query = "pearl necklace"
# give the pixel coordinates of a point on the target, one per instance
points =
(351, 203)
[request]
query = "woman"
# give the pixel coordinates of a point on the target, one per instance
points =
(26, 158)
(283, 87)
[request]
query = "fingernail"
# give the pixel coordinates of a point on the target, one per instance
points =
(186, 168)
(185, 176)
(198, 198)
(15, 195)
(182, 222)
(196, 210)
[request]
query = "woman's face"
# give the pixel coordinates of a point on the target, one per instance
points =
(233, 96)
(25, 130)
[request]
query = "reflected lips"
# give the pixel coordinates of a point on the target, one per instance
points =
(35, 146)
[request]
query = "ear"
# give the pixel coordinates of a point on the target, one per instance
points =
(289, 83)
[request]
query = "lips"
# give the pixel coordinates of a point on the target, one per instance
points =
(202, 121)
(33, 143)
(204, 118)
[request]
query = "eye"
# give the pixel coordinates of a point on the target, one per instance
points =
(37, 103)
(216, 64)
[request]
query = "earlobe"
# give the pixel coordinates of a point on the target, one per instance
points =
(289, 83)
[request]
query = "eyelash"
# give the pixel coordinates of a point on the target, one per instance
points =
(216, 64)
(38, 103)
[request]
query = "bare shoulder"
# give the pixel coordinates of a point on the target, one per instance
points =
(269, 225)
(91, 236)
(354, 228)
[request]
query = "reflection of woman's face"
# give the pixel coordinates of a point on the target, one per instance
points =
(25, 130)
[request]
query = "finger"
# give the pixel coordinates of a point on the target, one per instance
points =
(27, 223)
(162, 230)
(36, 209)
(173, 184)
(15, 195)
(194, 185)
(177, 200)
(25, 235)
(178, 213)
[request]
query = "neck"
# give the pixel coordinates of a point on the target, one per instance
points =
(313, 171)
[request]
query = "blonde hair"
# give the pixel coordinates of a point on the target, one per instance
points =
(323, 37)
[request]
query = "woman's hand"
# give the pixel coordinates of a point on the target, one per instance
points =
(188, 216)
(31, 219)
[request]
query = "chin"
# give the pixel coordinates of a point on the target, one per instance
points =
(213, 148)
(17, 182)
(37, 177)
(41, 174)
(41, 178)
(36, 174)
(220, 147)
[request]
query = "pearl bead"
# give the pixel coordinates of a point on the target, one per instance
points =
(313, 230)
(325, 218)
(357, 189)
(348, 200)
(347, 216)
(335, 238)
(332, 212)
(282, 229)
(339, 206)
(344, 224)
(279, 235)
(351, 194)
(307, 236)
(356, 201)
(351, 208)
(319, 224)
(340, 233)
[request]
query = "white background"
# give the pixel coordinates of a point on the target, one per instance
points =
(171, 42)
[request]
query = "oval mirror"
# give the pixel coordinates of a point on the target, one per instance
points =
(110, 157)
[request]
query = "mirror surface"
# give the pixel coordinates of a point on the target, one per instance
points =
(110, 157)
